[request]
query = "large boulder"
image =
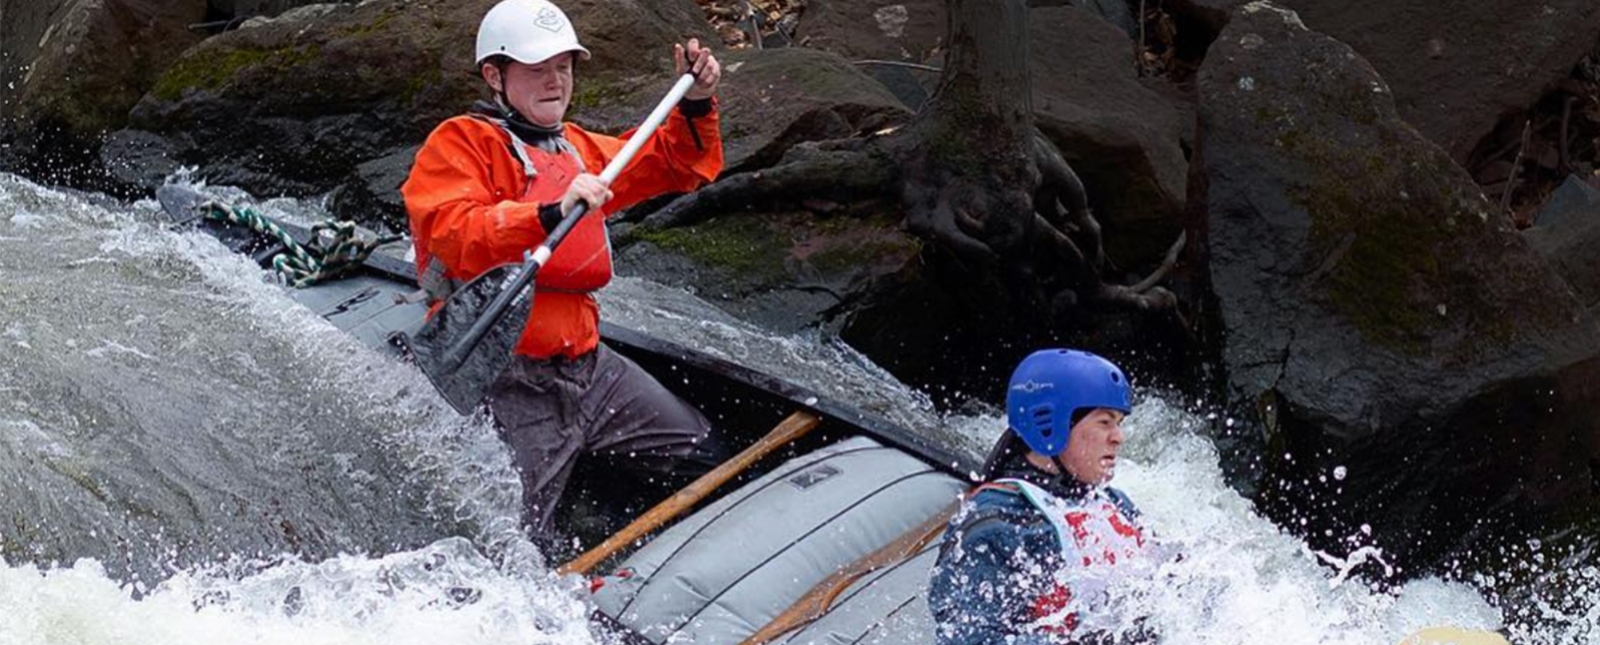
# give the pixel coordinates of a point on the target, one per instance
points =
(1123, 139)
(295, 103)
(71, 70)
(1415, 366)
(1456, 68)
(774, 98)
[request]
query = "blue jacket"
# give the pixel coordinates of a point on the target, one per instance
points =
(995, 572)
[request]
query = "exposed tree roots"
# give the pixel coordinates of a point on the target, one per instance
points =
(1026, 217)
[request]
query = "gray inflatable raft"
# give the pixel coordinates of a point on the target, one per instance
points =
(731, 568)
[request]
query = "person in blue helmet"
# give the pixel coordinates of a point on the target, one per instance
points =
(1037, 552)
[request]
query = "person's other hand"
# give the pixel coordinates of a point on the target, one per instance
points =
(707, 71)
(588, 188)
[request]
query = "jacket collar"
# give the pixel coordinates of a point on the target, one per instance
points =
(546, 138)
(1061, 485)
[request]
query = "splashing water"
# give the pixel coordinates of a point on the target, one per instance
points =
(441, 593)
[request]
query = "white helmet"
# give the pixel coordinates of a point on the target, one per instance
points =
(527, 31)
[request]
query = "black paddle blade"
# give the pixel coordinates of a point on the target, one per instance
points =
(182, 204)
(465, 385)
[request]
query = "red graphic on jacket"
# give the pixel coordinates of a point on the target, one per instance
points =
(1095, 537)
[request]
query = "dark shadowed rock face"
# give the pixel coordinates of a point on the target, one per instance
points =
(1376, 310)
(294, 104)
(1122, 139)
(1456, 68)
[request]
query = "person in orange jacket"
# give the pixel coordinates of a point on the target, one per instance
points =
(488, 185)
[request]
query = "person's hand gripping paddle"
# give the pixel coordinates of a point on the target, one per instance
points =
(468, 342)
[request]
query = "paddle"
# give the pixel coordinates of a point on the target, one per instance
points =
(1454, 636)
(820, 598)
(793, 427)
(468, 342)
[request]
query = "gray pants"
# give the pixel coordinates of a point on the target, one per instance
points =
(552, 411)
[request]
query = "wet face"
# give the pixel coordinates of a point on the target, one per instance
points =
(1091, 454)
(541, 92)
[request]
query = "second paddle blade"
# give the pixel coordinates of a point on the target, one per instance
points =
(465, 385)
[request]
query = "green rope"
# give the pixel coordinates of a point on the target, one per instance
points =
(329, 256)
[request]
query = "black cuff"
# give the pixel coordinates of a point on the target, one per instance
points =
(695, 108)
(549, 217)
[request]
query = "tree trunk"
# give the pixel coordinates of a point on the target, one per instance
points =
(984, 102)
(971, 176)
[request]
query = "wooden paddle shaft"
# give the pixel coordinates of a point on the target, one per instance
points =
(1454, 636)
(817, 601)
(793, 427)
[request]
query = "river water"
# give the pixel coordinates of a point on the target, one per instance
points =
(173, 426)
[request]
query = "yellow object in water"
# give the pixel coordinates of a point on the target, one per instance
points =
(1454, 636)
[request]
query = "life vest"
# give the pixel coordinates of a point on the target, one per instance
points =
(1100, 546)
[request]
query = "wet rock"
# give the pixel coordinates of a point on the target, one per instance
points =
(139, 158)
(293, 104)
(1375, 311)
(22, 25)
(913, 30)
(1122, 138)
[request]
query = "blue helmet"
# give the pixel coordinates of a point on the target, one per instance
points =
(1050, 386)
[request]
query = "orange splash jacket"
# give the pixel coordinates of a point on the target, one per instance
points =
(474, 205)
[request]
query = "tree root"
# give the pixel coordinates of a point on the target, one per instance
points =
(1063, 213)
